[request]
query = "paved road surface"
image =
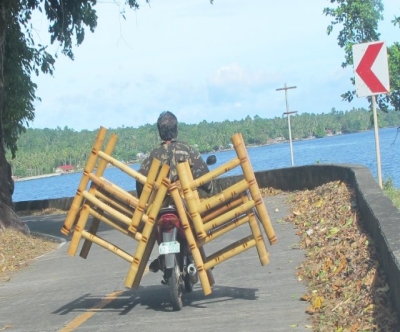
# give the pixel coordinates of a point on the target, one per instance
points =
(62, 293)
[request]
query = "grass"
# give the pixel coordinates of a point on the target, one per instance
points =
(392, 192)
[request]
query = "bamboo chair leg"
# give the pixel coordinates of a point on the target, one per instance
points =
(210, 275)
(260, 244)
(80, 226)
(190, 177)
(145, 258)
(230, 251)
(190, 200)
(241, 151)
(255, 230)
(88, 244)
(139, 262)
(77, 201)
(107, 245)
(145, 195)
(99, 172)
(204, 279)
(137, 267)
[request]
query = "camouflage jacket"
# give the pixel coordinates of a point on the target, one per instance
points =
(173, 153)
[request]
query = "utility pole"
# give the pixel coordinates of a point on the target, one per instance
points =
(288, 117)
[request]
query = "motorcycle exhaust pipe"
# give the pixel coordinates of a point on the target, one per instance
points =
(193, 275)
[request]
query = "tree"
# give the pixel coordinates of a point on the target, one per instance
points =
(359, 22)
(20, 57)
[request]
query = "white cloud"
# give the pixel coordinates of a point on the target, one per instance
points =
(200, 61)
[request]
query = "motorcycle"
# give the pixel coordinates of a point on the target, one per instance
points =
(175, 258)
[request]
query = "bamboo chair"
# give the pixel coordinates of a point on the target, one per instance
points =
(114, 206)
(211, 218)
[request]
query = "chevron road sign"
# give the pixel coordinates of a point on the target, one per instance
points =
(371, 69)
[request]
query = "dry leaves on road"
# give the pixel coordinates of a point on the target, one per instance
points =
(17, 250)
(347, 290)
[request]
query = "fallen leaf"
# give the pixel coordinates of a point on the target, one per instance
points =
(354, 328)
(305, 297)
(317, 302)
(384, 289)
(310, 310)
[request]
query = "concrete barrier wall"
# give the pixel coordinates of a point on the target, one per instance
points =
(380, 216)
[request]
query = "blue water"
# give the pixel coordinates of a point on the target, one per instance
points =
(356, 148)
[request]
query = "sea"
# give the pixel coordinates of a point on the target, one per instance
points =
(358, 148)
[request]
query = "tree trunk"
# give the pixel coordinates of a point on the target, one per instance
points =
(8, 218)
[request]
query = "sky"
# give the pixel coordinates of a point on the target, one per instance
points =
(200, 61)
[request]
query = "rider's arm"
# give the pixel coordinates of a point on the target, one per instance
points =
(144, 169)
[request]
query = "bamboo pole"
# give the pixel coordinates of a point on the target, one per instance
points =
(138, 261)
(210, 276)
(107, 245)
(230, 251)
(190, 177)
(214, 234)
(255, 230)
(90, 164)
(116, 204)
(95, 201)
(114, 190)
(234, 213)
(190, 200)
(113, 224)
(88, 244)
(145, 258)
(226, 207)
(76, 236)
(135, 174)
(223, 196)
(263, 253)
(241, 151)
(196, 254)
(145, 195)
(157, 184)
(100, 170)
(215, 173)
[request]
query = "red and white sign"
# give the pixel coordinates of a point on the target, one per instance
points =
(371, 69)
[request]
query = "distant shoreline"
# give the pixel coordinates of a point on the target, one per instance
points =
(273, 142)
(26, 178)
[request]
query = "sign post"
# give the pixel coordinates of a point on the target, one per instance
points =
(372, 78)
(288, 117)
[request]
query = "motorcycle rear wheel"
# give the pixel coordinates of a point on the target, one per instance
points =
(175, 288)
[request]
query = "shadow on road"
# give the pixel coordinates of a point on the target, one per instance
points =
(156, 298)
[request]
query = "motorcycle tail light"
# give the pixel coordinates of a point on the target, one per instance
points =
(168, 221)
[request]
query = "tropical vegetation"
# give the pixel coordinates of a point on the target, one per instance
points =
(42, 150)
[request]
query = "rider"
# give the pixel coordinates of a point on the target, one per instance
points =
(172, 152)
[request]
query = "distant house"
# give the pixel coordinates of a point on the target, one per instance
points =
(65, 169)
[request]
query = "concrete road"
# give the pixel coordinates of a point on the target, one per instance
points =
(57, 292)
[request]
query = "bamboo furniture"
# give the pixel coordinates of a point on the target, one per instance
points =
(235, 206)
(108, 203)
(203, 220)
